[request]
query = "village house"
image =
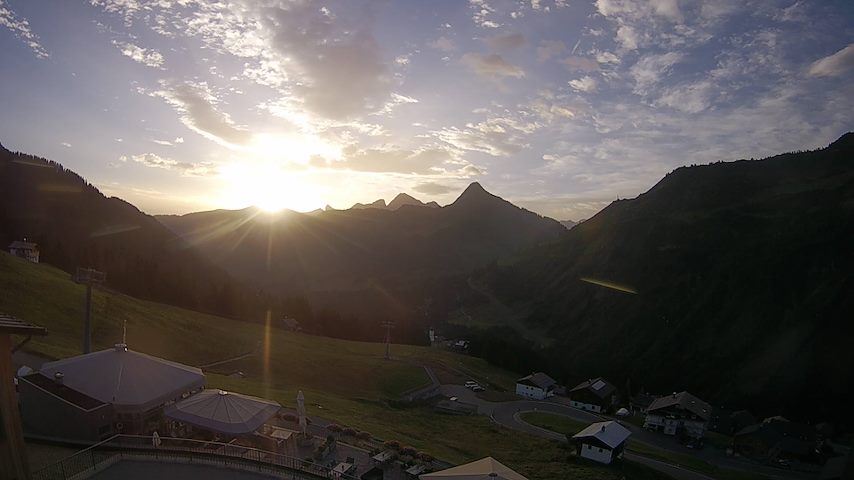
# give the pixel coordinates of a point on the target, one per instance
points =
(776, 438)
(536, 385)
(25, 249)
(594, 395)
(680, 414)
(602, 442)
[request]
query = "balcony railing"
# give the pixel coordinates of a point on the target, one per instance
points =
(183, 450)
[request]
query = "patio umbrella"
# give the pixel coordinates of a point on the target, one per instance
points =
(301, 411)
(484, 469)
(223, 412)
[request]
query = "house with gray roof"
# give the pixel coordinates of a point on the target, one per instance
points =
(93, 396)
(594, 395)
(536, 385)
(602, 442)
(680, 414)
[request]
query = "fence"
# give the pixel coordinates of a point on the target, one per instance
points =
(102, 455)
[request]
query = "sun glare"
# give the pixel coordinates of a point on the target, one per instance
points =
(268, 187)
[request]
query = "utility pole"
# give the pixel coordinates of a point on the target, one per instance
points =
(388, 326)
(89, 277)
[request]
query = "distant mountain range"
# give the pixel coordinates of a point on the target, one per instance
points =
(400, 200)
(362, 259)
(732, 280)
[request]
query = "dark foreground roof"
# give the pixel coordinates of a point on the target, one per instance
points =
(80, 400)
(129, 380)
(16, 326)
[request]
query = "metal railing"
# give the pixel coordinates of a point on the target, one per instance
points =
(183, 450)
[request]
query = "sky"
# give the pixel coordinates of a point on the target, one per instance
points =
(560, 106)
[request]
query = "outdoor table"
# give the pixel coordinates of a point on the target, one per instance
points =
(383, 456)
(343, 468)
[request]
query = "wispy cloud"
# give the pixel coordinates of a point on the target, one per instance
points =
(145, 56)
(20, 27)
(839, 63)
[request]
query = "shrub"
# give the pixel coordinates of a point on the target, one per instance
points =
(333, 427)
(392, 445)
(425, 457)
(349, 431)
(408, 451)
(363, 435)
(289, 417)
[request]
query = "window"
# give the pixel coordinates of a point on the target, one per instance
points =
(589, 447)
(600, 450)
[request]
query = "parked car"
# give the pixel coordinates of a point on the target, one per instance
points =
(470, 384)
(477, 388)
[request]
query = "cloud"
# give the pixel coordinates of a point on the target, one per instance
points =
(549, 49)
(650, 69)
(507, 42)
(444, 44)
(20, 27)
(581, 63)
(481, 10)
(492, 66)
(153, 160)
(433, 188)
(834, 65)
(196, 105)
(341, 74)
(145, 56)
(391, 159)
(584, 84)
(496, 136)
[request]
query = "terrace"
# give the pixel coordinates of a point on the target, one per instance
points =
(131, 456)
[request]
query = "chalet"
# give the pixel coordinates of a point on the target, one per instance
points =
(777, 438)
(25, 249)
(679, 414)
(536, 385)
(602, 442)
(594, 395)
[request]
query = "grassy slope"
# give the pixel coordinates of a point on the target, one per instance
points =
(347, 381)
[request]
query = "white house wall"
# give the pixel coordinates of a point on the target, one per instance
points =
(598, 454)
(530, 392)
(585, 406)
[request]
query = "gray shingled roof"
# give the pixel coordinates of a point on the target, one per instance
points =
(538, 379)
(685, 401)
(597, 386)
(609, 433)
(224, 412)
(129, 380)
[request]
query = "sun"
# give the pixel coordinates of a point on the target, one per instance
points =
(269, 187)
